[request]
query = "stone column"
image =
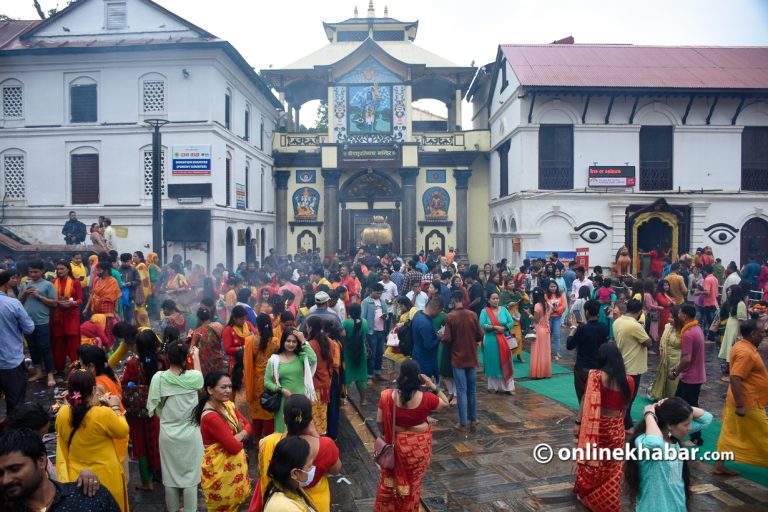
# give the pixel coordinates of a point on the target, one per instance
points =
(289, 118)
(408, 177)
(331, 209)
(462, 179)
(281, 212)
(457, 110)
(297, 123)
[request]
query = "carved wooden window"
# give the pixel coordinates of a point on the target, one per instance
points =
(147, 160)
(656, 158)
(14, 177)
(153, 96)
(754, 158)
(556, 156)
(13, 102)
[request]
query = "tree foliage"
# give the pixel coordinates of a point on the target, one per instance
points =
(321, 121)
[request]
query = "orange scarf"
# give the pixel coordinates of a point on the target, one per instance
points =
(687, 326)
(68, 285)
(104, 291)
(589, 430)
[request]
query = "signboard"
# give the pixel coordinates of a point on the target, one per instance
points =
(358, 156)
(563, 256)
(611, 176)
(240, 196)
(191, 160)
(582, 257)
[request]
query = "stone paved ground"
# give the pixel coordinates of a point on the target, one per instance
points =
(491, 470)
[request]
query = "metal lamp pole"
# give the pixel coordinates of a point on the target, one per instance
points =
(157, 225)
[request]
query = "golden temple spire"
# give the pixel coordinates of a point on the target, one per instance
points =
(371, 10)
(386, 12)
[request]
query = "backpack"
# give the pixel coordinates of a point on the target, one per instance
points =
(405, 337)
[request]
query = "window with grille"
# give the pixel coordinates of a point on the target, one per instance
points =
(228, 177)
(148, 173)
(13, 102)
(656, 158)
(85, 179)
(388, 35)
(247, 120)
(116, 15)
(754, 158)
(556, 156)
(13, 177)
(82, 103)
(153, 96)
(352, 35)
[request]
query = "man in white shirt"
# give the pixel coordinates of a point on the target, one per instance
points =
(579, 282)
(417, 297)
(109, 234)
(390, 290)
(732, 277)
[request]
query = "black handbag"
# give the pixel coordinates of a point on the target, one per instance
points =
(270, 400)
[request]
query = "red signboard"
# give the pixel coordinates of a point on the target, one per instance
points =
(611, 176)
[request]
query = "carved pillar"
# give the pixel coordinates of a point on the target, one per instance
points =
(457, 112)
(297, 123)
(289, 118)
(408, 177)
(281, 212)
(331, 209)
(462, 179)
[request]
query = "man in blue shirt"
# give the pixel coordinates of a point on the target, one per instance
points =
(425, 339)
(14, 321)
(38, 297)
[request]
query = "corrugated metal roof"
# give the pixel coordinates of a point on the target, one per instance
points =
(683, 67)
(10, 31)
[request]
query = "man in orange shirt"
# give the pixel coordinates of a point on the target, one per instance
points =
(745, 424)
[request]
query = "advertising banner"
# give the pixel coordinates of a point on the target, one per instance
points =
(191, 160)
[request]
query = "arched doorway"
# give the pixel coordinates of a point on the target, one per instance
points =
(369, 186)
(754, 240)
(658, 228)
(230, 250)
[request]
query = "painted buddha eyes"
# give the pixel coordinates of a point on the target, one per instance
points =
(593, 232)
(721, 233)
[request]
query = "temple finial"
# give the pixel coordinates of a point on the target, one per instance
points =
(356, 15)
(371, 10)
(386, 11)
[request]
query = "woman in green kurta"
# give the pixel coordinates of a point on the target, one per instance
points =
(669, 348)
(290, 371)
(511, 298)
(355, 351)
(172, 398)
(493, 357)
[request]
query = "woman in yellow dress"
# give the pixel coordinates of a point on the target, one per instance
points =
(512, 298)
(86, 433)
(256, 354)
(141, 314)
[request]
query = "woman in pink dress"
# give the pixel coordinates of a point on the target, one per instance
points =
(541, 353)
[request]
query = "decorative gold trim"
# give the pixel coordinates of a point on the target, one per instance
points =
(667, 218)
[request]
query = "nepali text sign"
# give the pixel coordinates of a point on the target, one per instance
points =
(355, 156)
(611, 176)
(564, 256)
(191, 160)
(240, 196)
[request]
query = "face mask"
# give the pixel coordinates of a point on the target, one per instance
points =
(310, 477)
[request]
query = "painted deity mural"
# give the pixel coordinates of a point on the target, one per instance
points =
(436, 202)
(369, 105)
(306, 201)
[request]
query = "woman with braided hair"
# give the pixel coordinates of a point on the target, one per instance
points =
(87, 428)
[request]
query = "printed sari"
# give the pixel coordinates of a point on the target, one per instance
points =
(505, 355)
(224, 477)
(400, 489)
(104, 295)
(598, 483)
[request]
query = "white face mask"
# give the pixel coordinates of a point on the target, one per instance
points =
(310, 476)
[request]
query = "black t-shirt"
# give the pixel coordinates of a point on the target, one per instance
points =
(475, 291)
(71, 499)
(587, 340)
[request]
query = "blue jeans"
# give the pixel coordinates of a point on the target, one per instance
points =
(707, 317)
(554, 326)
(378, 340)
(128, 313)
(39, 342)
(466, 393)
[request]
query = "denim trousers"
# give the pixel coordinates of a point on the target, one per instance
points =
(39, 342)
(466, 393)
(378, 340)
(554, 326)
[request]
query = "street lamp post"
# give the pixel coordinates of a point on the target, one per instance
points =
(157, 225)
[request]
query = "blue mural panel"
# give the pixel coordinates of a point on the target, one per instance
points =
(436, 201)
(370, 109)
(306, 201)
(370, 71)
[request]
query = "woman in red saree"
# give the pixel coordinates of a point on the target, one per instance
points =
(65, 317)
(410, 433)
(105, 292)
(601, 425)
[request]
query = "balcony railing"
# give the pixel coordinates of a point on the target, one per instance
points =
(655, 178)
(556, 178)
(471, 140)
(754, 179)
(301, 141)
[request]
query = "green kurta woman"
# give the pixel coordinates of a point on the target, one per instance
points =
(295, 361)
(669, 346)
(492, 358)
(355, 352)
(172, 397)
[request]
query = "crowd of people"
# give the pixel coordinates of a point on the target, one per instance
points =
(193, 369)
